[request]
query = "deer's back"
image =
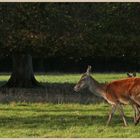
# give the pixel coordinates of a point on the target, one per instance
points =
(121, 90)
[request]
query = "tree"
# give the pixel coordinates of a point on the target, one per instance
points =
(31, 29)
(61, 29)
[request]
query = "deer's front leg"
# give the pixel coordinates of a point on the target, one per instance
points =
(137, 120)
(122, 114)
(113, 109)
(135, 111)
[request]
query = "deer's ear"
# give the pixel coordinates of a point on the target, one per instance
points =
(88, 70)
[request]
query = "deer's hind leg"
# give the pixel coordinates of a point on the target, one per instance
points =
(136, 111)
(138, 116)
(137, 119)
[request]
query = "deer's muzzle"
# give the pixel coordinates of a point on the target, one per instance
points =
(76, 88)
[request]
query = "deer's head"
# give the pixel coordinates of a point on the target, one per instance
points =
(83, 82)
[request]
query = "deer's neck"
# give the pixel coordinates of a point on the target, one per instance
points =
(96, 88)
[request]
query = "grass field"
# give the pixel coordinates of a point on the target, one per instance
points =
(64, 120)
(70, 78)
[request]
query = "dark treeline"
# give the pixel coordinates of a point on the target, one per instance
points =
(99, 64)
(105, 35)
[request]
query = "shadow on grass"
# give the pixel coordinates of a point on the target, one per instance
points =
(52, 93)
(107, 109)
(41, 110)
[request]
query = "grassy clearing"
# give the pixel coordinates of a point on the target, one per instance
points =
(70, 78)
(63, 120)
(73, 78)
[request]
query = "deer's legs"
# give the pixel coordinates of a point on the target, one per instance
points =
(136, 111)
(137, 119)
(135, 114)
(138, 116)
(112, 111)
(122, 114)
(136, 108)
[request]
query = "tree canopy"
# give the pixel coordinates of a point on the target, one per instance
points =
(70, 29)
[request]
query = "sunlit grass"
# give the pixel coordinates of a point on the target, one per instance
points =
(63, 120)
(71, 78)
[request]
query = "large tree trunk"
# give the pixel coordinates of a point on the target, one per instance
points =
(22, 74)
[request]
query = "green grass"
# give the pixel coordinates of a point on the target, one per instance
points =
(63, 120)
(70, 78)
(73, 78)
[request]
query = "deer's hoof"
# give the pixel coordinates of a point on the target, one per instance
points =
(126, 125)
(136, 122)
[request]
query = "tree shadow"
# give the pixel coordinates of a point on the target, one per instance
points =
(52, 93)
(45, 110)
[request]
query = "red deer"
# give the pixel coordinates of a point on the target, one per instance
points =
(116, 93)
(131, 74)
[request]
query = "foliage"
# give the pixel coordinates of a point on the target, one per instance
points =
(61, 29)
